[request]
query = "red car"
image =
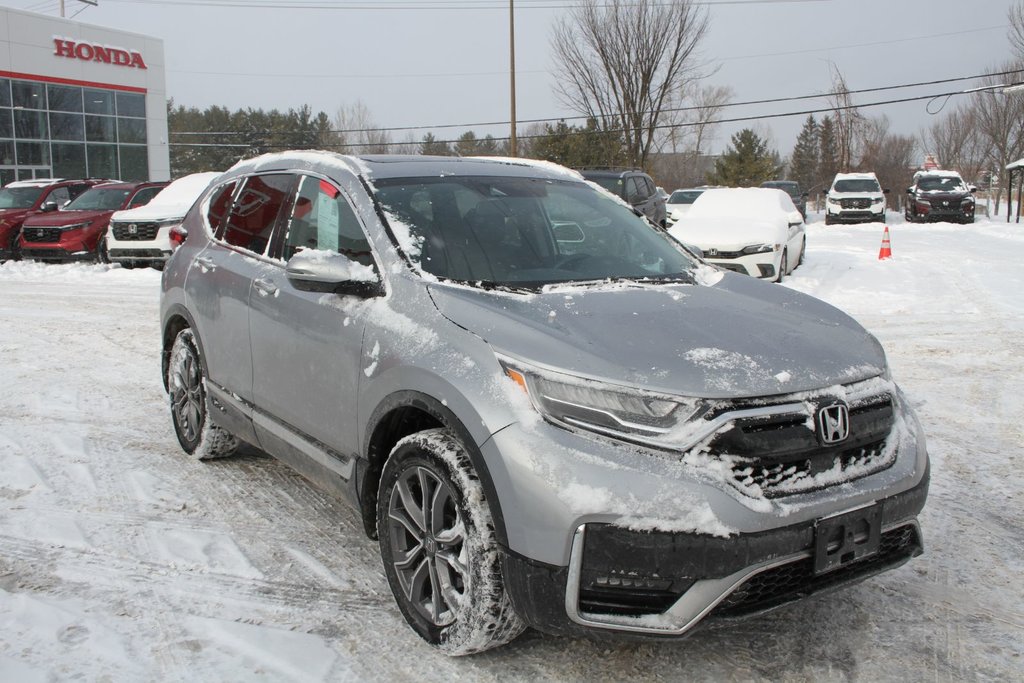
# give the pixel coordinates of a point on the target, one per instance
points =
(24, 198)
(78, 232)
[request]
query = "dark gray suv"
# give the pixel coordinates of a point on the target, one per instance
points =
(633, 187)
(548, 412)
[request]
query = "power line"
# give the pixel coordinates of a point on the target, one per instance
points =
(739, 119)
(406, 5)
(776, 100)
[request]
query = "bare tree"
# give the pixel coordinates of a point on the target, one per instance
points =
(955, 142)
(624, 62)
(890, 156)
(1000, 124)
(1016, 21)
(847, 120)
(683, 159)
(357, 133)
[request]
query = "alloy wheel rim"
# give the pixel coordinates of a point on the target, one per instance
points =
(187, 396)
(427, 543)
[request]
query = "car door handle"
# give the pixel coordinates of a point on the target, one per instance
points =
(265, 287)
(206, 263)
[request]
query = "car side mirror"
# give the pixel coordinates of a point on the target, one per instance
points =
(885, 191)
(805, 195)
(49, 206)
(973, 189)
(312, 270)
(910, 190)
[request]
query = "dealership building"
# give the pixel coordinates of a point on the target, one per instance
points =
(80, 101)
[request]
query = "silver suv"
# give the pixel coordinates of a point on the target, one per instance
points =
(547, 411)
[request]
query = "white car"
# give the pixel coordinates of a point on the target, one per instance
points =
(140, 237)
(755, 231)
(855, 198)
(679, 203)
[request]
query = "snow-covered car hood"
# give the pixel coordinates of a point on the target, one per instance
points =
(727, 233)
(153, 213)
(739, 337)
(834, 196)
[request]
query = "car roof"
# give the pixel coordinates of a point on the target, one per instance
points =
(37, 182)
(386, 166)
(855, 176)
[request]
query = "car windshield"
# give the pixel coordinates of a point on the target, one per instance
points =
(857, 185)
(525, 233)
(99, 199)
(19, 197)
(612, 184)
(940, 184)
(684, 196)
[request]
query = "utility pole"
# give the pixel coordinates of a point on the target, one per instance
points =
(512, 147)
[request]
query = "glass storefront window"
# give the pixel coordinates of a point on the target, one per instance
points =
(33, 153)
(67, 127)
(87, 132)
(69, 160)
(131, 130)
(131, 104)
(99, 102)
(134, 162)
(100, 129)
(64, 98)
(30, 124)
(102, 161)
(28, 95)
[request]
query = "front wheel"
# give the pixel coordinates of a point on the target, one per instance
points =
(190, 412)
(101, 250)
(438, 546)
(783, 265)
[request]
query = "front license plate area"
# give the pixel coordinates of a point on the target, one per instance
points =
(846, 538)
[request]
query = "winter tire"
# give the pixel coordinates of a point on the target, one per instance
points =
(438, 546)
(803, 250)
(783, 266)
(101, 250)
(190, 411)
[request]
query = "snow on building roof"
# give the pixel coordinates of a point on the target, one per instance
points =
(1015, 165)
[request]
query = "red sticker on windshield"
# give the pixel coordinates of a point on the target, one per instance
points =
(329, 189)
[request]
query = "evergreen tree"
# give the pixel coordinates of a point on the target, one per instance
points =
(578, 147)
(747, 162)
(803, 166)
(433, 146)
(828, 153)
(467, 145)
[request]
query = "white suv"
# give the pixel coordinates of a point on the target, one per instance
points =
(855, 198)
(141, 237)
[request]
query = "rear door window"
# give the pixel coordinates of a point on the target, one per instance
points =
(255, 212)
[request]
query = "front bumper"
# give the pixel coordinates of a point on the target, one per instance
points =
(664, 584)
(763, 266)
(55, 254)
(152, 245)
(865, 216)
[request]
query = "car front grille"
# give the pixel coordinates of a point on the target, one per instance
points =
(135, 254)
(780, 453)
(139, 232)
(795, 580)
(41, 234)
(855, 203)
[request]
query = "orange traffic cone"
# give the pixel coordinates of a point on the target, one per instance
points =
(886, 250)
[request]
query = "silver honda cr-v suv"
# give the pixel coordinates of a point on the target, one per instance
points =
(548, 412)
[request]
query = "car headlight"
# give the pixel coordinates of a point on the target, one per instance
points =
(923, 202)
(618, 412)
(168, 222)
(75, 226)
(878, 200)
(831, 202)
(761, 248)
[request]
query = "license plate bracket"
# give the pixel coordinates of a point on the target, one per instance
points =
(846, 538)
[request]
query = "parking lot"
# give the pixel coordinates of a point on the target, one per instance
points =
(121, 558)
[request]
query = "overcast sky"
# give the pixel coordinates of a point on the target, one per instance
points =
(433, 62)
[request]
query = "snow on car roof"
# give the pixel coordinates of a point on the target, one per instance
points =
(38, 182)
(856, 176)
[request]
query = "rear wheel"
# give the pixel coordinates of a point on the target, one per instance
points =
(190, 412)
(438, 546)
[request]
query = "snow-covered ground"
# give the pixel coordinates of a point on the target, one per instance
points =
(122, 559)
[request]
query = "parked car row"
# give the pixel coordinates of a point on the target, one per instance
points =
(94, 219)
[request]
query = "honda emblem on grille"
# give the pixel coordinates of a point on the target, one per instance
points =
(833, 423)
(712, 252)
(40, 232)
(133, 229)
